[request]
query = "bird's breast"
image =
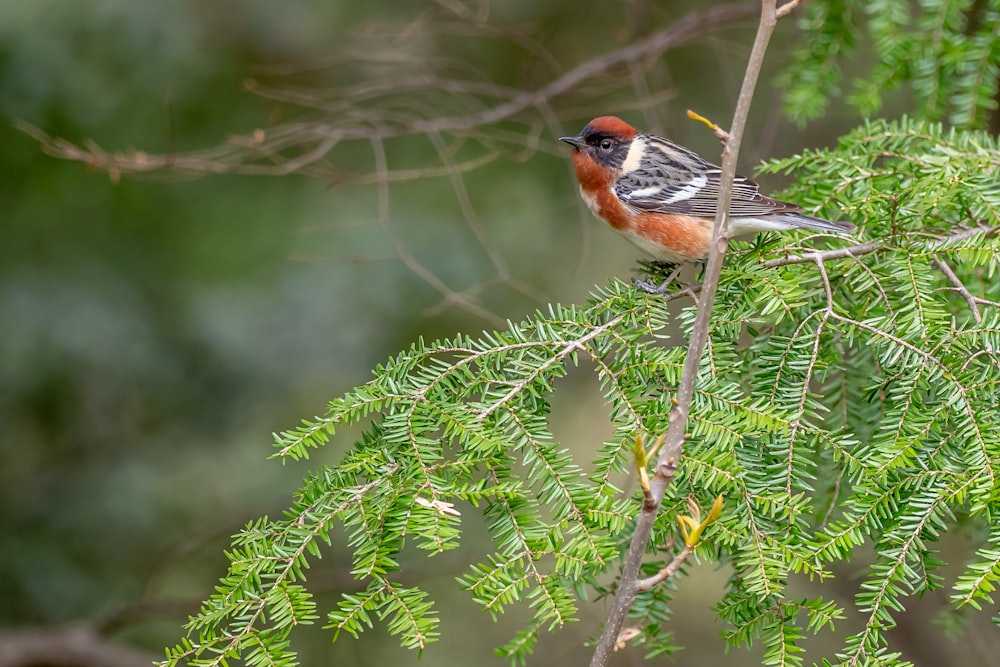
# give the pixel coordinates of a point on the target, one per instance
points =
(669, 237)
(606, 205)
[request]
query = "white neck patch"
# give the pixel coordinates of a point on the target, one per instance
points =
(636, 151)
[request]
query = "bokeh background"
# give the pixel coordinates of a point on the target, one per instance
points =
(157, 327)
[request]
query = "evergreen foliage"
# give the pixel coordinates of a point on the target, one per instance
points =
(948, 51)
(844, 403)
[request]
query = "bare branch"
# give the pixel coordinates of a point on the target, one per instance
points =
(670, 570)
(825, 255)
(787, 8)
(959, 286)
(872, 246)
(446, 102)
(260, 152)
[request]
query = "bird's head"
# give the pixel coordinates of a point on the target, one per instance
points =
(605, 139)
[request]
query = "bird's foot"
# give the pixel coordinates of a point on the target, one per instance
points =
(661, 289)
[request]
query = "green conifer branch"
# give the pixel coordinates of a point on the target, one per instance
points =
(848, 402)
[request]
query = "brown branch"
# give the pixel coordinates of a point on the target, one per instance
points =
(968, 232)
(959, 286)
(73, 646)
(670, 570)
(787, 8)
(822, 256)
(666, 465)
(867, 248)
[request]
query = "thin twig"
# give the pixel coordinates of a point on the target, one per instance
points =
(959, 286)
(839, 253)
(666, 464)
(872, 246)
(787, 8)
(670, 570)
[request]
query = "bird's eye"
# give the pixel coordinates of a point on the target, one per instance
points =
(606, 144)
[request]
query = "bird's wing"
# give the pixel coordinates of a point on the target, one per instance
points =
(697, 196)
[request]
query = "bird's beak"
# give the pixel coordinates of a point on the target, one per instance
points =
(576, 142)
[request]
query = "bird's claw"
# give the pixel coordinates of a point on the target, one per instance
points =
(661, 289)
(652, 288)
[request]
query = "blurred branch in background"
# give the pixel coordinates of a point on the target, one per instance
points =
(89, 644)
(402, 94)
(75, 646)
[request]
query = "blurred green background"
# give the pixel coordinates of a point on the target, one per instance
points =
(155, 329)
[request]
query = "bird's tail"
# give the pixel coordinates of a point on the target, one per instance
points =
(784, 221)
(811, 222)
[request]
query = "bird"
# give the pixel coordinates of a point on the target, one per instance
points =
(663, 197)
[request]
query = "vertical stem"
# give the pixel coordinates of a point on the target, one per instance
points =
(666, 464)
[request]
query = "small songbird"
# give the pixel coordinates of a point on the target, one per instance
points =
(663, 197)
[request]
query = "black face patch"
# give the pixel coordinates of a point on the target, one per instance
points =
(608, 149)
